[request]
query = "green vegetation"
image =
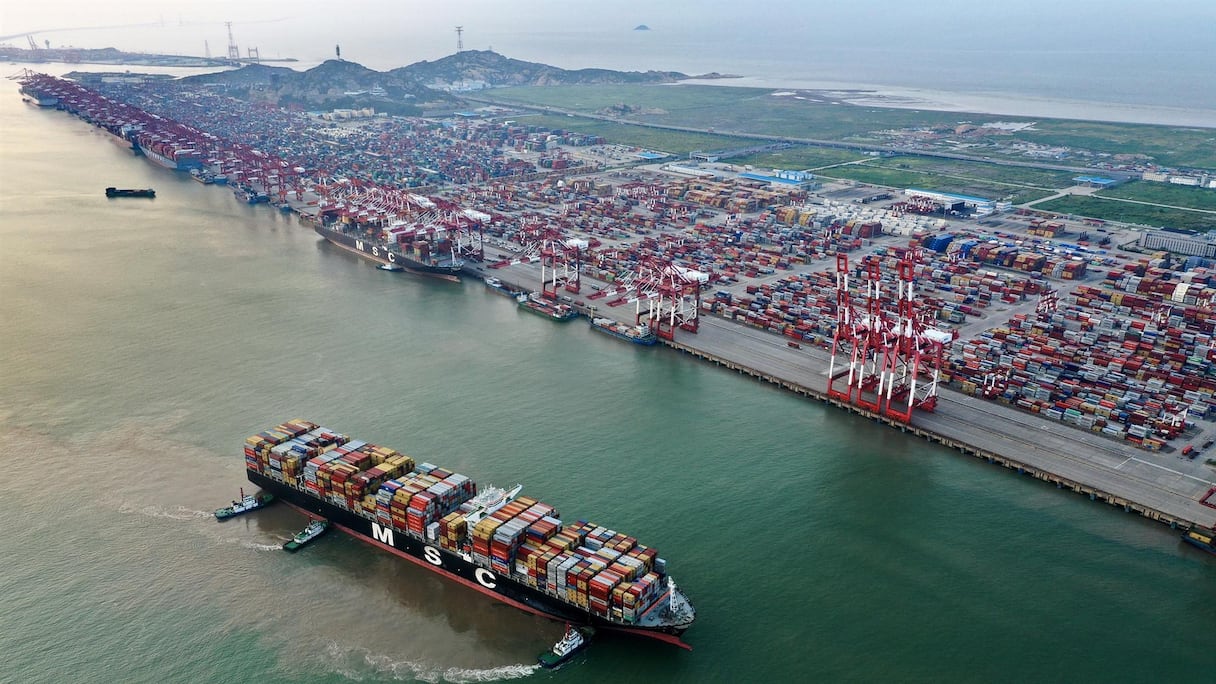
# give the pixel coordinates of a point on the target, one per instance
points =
(1165, 193)
(1038, 178)
(742, 110)
(1127, 212)
(1168, 146)
(799, 158)
(817, 116)
(899, 178)
(675, 142)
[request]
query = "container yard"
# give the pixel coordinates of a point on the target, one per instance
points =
(1104, 355)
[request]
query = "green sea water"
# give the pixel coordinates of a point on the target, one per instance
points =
(142, 340)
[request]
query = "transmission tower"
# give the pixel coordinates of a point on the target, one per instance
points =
(459, 39)
(234, 53)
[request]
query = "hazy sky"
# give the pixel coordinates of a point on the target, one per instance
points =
(387, 33)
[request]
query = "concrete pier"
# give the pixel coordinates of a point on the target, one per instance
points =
(1087, 463)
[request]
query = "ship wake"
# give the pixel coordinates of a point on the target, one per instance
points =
(379, 666)
(175, 513)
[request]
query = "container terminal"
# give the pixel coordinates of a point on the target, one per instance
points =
(1019, 337)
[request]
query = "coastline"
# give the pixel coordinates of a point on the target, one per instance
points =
(993, 103)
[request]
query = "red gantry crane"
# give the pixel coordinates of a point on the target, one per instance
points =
(889, 365)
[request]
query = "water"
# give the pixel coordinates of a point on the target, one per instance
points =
(143, 340)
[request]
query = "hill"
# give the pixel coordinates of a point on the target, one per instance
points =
(493, 69)
(339, 83)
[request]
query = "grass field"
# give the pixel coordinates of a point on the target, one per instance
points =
(900, 179)
(1035, 178)
(1165, 193)
(675, 142)
(744, 110)
(1113, 210)
(758, 111)
(799, 158)
(1168, 146)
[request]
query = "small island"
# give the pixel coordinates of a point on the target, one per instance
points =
(641, 27)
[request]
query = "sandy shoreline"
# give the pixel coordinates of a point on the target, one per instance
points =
(1002, 104)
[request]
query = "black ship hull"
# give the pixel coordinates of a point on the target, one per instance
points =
(455, 566)
(382, 254)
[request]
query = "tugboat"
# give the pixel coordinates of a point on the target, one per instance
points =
(575, 640)
(1201, 538)
(247, 502)
(391, 267)
(315, 529)
(125, 192)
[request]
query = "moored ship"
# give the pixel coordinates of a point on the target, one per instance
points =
(416, 256)
(497, 286)
(540, 306)
(513, 548)
(1201, 539)
(37, 97)
(637, 334)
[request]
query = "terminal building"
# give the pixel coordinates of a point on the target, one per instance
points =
(804, 180)
(1191, 244)
(951, 201)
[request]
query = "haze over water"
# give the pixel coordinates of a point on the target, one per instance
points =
(1123, 60)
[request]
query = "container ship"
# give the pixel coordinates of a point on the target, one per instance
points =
(543, 307)
(38, 97)
(394, 247)
(169, 154)
(637, 334)
(513, 548)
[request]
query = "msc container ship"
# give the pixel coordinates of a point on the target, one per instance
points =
(406, 249)
(510, 547)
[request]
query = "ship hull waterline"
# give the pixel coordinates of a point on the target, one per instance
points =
(453, 565)
(341, 241)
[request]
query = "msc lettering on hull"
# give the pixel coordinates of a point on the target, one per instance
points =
(432, 555)
(382, 534)
(376, 252)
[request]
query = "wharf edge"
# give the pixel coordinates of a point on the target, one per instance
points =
(1061, 482)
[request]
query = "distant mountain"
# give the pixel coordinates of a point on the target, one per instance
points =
(494, 69)
(333, 84)
(338, 83)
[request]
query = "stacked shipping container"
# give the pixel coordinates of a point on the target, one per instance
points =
(590, 566)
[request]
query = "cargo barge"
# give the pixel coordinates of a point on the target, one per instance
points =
(637, 334)
(540, 306)
(130, 192)
(1201, 539)
(415, 257)
(512, 548)
(497, 286)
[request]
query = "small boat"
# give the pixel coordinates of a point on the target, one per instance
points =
(575, 640)
(129, 192)
(391, 267)
(1202, 539)
(315, 529)
(247, 502)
